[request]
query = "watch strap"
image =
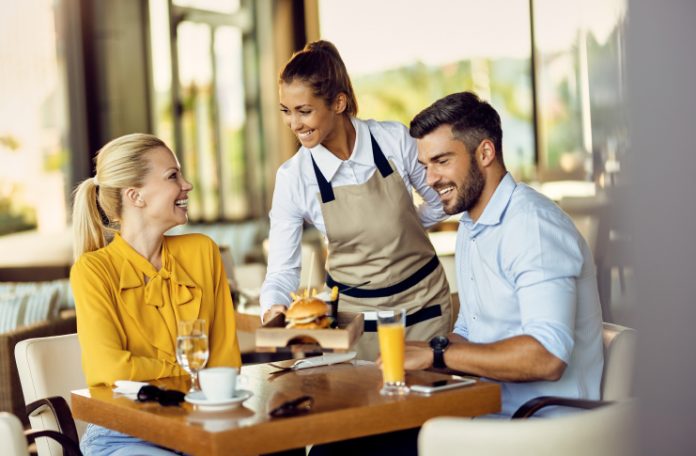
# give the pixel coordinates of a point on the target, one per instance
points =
(439, 358)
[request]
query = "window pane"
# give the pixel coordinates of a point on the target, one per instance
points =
(403, 64)
(34, 158)
(222, 6)
(579, 76)
(161, 68)
(232, 117)
(198, 148)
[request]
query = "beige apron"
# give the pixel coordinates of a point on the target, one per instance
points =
(375, 234)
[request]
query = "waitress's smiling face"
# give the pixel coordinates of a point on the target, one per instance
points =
(309, 117)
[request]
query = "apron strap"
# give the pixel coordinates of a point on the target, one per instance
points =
(404, 285)
(416, 317)
(325, 188)
(380, 160)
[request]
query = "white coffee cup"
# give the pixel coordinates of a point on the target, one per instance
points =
(218, 383)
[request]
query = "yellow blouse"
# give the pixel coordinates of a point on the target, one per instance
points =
(127, 327)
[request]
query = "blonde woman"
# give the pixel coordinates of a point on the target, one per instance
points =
(131, 292)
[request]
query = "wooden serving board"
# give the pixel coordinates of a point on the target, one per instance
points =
(350, 327)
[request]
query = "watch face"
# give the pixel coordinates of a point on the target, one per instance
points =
(439, 342)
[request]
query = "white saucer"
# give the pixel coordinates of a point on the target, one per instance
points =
(198, 399)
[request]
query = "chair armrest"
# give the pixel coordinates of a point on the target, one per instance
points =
(70, 448)
(60, 409)
(532, 406)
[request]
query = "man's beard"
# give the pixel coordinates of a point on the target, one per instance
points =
(470, 191)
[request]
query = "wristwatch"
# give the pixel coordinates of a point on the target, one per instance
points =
(439, 344)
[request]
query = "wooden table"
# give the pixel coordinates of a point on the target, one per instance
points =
(347, 404)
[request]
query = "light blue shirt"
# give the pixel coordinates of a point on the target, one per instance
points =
(523, 269)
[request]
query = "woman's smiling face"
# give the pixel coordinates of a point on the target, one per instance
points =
(165, 190)
(309, 117)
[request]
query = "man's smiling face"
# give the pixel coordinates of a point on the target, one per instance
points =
(452, 170)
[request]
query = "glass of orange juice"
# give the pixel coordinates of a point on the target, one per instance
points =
(391, 331)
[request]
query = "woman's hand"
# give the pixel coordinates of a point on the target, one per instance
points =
(274, 310)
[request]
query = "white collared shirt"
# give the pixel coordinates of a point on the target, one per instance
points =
(295, 197)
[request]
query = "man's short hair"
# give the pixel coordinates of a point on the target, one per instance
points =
(472, 120)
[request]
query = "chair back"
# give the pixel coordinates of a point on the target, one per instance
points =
(606, 431)
(619, 362)
(49, 366)
(12, 438)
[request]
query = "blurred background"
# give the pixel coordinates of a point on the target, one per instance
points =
(595, 98)
(202, 75)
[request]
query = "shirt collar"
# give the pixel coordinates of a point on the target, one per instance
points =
(493, 212)
(129, 253)
(328, 163)
(170, 267)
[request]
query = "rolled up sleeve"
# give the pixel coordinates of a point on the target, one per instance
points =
(545, 268)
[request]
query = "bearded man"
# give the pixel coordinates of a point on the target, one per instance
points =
(530, 316)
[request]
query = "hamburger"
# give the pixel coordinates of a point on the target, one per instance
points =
(307, 313)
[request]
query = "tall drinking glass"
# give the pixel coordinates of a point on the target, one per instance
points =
(192, 348)
(391, 331)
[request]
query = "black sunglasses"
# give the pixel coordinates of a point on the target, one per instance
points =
(164, 396)
(294, 407)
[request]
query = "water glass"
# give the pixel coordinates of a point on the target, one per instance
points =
(391, 331)
(192, 348)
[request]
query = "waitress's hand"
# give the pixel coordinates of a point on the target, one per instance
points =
(274, 310)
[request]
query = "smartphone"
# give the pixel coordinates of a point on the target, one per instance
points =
(441, 385)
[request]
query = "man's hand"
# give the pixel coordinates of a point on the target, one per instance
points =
(419, 356)
(274, 310)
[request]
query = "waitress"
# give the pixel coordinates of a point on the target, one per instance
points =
(352, 179)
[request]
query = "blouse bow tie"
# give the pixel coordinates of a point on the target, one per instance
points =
(177, 282)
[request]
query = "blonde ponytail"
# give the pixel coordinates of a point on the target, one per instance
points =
(120, 164)
(88, 230)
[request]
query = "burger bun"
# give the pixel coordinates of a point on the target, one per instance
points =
(305, 308)
(307, 313)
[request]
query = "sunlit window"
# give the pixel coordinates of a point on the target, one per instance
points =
(195, 73)
(232, 117)
(161, 69)
(221, 6)
(34, 158)
(401, 63)
(200, 106)
(580, 88)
